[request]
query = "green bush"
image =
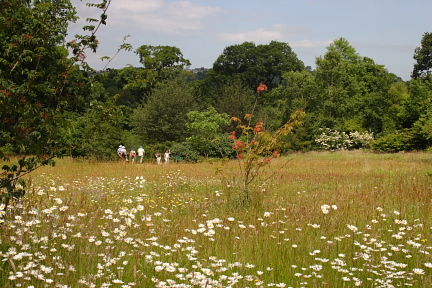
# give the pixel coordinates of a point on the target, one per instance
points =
(186, 151)
(221, 147)
(405, 140)
(7, 149)
(298, 140)
(390, 143)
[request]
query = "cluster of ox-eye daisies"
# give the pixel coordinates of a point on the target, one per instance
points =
(131, 239)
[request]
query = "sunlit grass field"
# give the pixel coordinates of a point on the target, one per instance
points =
(342, 219)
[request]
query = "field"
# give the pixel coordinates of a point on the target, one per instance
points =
(342, 219)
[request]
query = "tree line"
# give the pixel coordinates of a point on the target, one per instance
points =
(346, 92)
(53, 103)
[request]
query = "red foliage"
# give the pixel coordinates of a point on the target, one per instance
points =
(80, 56)
(248, 116)
(258, 127)
(6, 93)
(238, 144)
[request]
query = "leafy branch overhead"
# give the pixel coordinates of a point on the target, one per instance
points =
(39, 86)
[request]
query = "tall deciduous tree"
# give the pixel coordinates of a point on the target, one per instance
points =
(161, 57)
(300, 91)
(163, 117)
(373, 101)
(254, 63)
(205, 127)
(161, 62)
(235, 99)
(423, 57)
(336, 75)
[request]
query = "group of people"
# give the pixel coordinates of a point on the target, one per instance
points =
(123, 156)
(166, 157)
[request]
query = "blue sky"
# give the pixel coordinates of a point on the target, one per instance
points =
(387, 31)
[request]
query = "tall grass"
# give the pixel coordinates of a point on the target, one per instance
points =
(340, 219)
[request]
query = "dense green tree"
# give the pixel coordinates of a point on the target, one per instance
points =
(395, 103)
(375, 103)
(159, 58)
(131, 83)
(418, 111)
(252, 63)
(135, 84)
(161, 62)
(353, 90)
(424, 127)
(300, 91)
(237, 62)
(236, 100)
(423, 57)
(205, 127)
(32, 68)
(336, 76)
(186, 151)
(374, 77)
(38, 86)
(163, 117)
(101, 136)
(420, 99)
(277, 58)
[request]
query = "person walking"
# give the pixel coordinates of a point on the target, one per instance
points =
(158, 157)
(124, 153)
(132, 154)
(141, 153)
(167, 156)
(120, 153)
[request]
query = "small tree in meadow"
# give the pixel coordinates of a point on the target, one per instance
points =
(256, 147)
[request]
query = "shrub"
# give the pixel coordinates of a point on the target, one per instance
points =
(404, 140)
(335, 140)
(390, 143)
(221, 147)
(186, 151)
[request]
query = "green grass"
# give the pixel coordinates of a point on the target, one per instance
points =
(167, 225)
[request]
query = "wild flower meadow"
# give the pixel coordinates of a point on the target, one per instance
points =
(343, 219)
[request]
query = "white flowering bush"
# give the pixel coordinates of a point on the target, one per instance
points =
(335, 140)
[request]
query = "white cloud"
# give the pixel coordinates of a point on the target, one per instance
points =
(308, 44)
(161, 16)
(399, 48)
(279, 32)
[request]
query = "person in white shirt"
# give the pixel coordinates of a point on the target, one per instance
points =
(141, 153)
(119, 153)
(167, 156)
(158, 157)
